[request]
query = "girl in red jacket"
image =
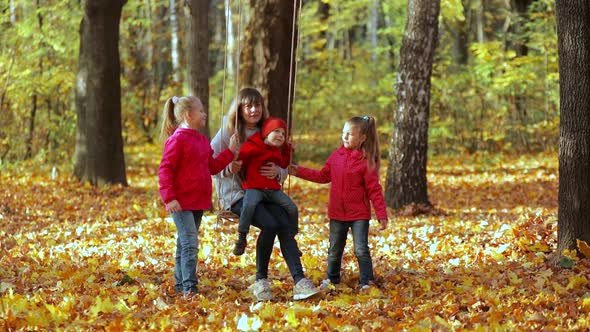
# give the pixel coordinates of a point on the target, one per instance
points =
(185, 180)
(260, 149)
(353, 171)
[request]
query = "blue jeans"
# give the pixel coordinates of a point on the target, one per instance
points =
(187, 248)
(360, 236)
(252, 197)
(272, 220)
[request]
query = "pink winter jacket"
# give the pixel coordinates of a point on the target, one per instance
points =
(352, 186)
(186, 168)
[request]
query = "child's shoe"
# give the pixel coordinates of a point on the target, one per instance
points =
(189, 295)
(365, 288)
(261, 290)
(327, 284)
(240, 245)
(304, 289)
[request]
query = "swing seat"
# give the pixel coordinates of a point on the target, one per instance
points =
(226, 215)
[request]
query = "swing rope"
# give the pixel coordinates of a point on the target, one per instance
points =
(222, 213)
(226, 214)
(293, 78)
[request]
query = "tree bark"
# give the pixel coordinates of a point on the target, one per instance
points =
(174, 52)
(460, 33)
(406, 175)
(573, 34)
(33, 115)
(519, 43)
(198, 52)
(266, 55)
(162, 55)
(99, 155)
(324, 15)
(138, 74)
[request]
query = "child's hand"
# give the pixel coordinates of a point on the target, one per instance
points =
(292, 170)
(173, 206)
(235, 166)
(233, 143)
(383, 223)
(269, 170)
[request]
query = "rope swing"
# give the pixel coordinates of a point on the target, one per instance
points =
(226, 214)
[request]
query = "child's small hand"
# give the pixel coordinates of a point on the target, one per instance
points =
(173, 206)
(233, 143)
(383, 223)
(292, 170)
(235, 166)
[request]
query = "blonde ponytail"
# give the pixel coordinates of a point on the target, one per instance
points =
(169, 123)
(173, 114)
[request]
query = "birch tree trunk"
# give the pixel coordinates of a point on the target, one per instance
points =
(174, 41)
(406, 175)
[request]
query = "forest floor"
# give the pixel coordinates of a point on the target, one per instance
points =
(75, 257)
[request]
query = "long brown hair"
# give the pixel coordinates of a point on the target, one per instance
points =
(173, 114)
(370, 147)
(245, 96)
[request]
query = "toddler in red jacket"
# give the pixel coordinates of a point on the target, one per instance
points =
(353, 171)
(185, 180)
(260, 149)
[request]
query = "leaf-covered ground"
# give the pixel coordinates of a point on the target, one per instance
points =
(74, 257)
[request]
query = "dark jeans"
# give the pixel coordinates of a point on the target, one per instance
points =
(273, 221)
(187, 248)
(360, 236)
(252, 197)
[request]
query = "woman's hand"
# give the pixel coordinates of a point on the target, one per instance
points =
(292, 170)
(235, 166)
(173, 206)
(233, 143)
(383, 223)
(270, 170)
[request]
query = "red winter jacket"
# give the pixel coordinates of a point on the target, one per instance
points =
(186, 168)
(352, 186)
(254, 154)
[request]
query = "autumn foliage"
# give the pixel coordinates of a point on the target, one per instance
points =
(76, 257)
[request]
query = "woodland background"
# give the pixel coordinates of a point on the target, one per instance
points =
(494, 83)
(75, 256)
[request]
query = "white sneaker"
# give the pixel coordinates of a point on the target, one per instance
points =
(304, 289)
(327, 284)
(261, 290)
(367, 287)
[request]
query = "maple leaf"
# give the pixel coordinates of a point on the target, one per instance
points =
(583, 247)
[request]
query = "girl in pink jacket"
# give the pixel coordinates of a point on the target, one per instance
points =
(185, 180)
(353, 171)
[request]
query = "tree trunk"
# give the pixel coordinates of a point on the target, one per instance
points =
(460, 33)
(162, 56)
(573, 33)
(266, 54)
(519, 42)
(406, 175)
(33, 115)
(324, 15)
(99, 155)
(12, 7)
(198, 52)
(138, 74)
(480, 21)
(372, 26)
(174, 41)
(31, 129)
